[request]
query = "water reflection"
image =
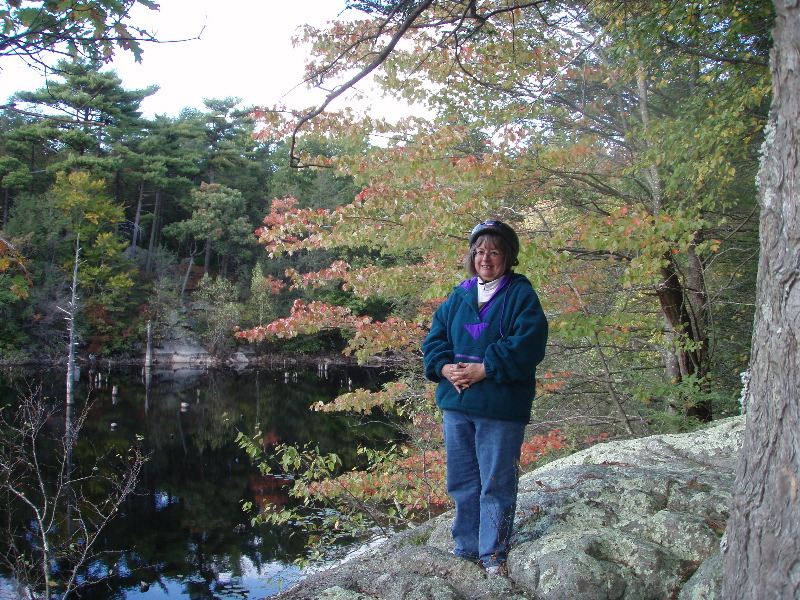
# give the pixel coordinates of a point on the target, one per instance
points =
(183, 533)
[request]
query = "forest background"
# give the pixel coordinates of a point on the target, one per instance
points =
(622, 143)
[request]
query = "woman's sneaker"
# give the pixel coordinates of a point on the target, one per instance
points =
(499, 569)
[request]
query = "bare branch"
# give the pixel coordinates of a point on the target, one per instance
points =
(374, 64)
(462, 14)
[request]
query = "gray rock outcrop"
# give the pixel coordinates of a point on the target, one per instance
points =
(633, 520)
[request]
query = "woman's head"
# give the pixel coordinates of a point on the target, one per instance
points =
(493, 250)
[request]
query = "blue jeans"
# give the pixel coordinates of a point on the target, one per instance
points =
(482, 475)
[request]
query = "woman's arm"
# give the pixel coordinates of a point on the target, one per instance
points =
(515, 355)
(437, 349)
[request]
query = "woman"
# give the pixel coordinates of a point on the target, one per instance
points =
(485, 342)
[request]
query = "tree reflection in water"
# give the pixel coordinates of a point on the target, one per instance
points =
(183, 533)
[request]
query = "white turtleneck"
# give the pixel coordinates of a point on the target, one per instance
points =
(487, 289)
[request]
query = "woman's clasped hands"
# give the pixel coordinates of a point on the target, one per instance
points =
(463, 375)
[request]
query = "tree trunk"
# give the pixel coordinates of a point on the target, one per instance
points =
(135, 236)
(685, 312)
(188, 272)
(148, 356)
(71, 315)
(224, 262)
(153, 231)
(763, 555)
(207, 261)
(682, 304)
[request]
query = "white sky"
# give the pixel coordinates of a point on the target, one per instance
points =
(244, 51)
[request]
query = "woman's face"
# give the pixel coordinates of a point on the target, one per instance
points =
(489, 260)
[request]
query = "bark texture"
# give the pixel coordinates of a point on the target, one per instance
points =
(763, 556)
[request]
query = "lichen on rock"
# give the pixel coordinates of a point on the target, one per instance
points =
(621, 520)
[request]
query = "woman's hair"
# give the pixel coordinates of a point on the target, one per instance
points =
(509, 256)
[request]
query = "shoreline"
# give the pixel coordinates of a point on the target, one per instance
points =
(168, 362)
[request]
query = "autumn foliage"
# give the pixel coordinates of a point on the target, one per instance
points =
(623, 159)
(12, 265)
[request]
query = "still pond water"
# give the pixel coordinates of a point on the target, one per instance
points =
(184, 534)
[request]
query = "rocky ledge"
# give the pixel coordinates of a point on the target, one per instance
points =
(622, 520)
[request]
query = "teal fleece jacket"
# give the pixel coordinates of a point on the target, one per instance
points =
(508, 335)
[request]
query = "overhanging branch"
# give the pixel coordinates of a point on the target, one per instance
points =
(461, 14)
